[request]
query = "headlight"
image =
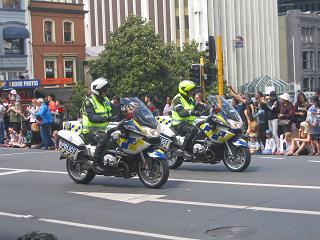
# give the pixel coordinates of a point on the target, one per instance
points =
(234, 124)
(149, 132)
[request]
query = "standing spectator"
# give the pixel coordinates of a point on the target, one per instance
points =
(58, 116)
(315, 104)
(286, 113)
(260, 114)
(14, 111)
(236, 105)
(158, 105)
(51, 103)
(45, 123)
(150, 105)
(301, 109)
(15, 95)
(2, 113)
(271, 146)
(167, 107)
(273, 111)
(116, 107)
(32, 112)
(314, 127)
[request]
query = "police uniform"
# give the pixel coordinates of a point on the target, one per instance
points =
(182, 119)
(96, 116)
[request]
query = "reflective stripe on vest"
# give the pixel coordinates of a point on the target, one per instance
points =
(100, 109)
(176, 119)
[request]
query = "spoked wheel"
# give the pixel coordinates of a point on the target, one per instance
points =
(155, 173)
(240, 161)
(174, 161)
(78, 174)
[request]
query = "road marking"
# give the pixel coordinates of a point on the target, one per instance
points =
(109, 229)
(11, 154)
(118, 230)
(15, 215)
(194, 181)
(12, 172)
(314, 161)
(140, 198)
(272, 158)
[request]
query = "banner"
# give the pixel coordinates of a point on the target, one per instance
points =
(16, 84)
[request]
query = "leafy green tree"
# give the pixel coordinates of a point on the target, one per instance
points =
(138, 63)
(79, 93)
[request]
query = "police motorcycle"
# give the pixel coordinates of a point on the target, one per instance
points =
(133, 148)
(219, 138)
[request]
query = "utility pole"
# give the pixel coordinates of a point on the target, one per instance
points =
(220, 64)
(202, 76)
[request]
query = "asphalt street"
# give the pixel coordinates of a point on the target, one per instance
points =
(277, 197)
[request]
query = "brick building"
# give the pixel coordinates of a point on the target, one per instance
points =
(58, 44)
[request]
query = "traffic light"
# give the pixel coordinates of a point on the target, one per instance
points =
(211, 50)
(195, 73)
(209, 67)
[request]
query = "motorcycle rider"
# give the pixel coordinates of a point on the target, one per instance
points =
(96, 115)
(184, 113)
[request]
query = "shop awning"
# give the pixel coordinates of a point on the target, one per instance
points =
(59, 93)
(15, 32)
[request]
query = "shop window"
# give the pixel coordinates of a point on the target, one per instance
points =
(48, 31)
(50, 70)
(13, 46)
(68, 31)
(15, 4)
(69, 68)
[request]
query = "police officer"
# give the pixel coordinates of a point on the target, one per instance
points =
(183, 115)
(97, 113)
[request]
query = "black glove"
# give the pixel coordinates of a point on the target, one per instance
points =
(197, 113)
(112, 118)
(194, 113)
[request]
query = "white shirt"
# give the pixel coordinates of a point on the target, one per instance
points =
(32, 112)
(270, 144)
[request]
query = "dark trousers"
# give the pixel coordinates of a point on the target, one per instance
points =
(190, 133)
(99, 139)
(1, 132)
(262, 132)
(45, 130)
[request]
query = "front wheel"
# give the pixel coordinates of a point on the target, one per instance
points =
(153, 173)
(78, 174)
(239, 161)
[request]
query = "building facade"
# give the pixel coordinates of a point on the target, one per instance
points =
(13, 39)
(303, 5)
(300, 46)
(58, 42)
(180, 21)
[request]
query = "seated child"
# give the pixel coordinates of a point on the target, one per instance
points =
(13, 137)
(254, 145)
(285, 143)
(271, 146)
(22, 140)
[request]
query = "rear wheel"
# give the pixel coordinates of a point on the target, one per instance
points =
(78, 174)
(174, 161)
(154, 173)
(240, 161)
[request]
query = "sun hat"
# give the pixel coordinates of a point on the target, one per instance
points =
(13, 91)
(268, 131)
(285, 96)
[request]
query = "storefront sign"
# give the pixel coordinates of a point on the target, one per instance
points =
(16, 84)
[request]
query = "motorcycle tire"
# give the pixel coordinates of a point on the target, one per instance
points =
(236, 164)
(77, 175)
(150, 178)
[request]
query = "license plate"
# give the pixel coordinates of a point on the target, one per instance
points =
(67, 149)
(165, 143)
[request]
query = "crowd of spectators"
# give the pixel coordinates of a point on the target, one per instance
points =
(34, 126)
(278, 125)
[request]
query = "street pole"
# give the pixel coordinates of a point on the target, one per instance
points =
(220, 65)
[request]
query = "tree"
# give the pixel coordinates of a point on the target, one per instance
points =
(137, 62)
(79, 93)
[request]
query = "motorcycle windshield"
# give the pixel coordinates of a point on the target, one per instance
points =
(140, 112)
(227, 109)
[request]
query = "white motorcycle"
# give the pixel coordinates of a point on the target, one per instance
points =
(219, 138)
(133, 149)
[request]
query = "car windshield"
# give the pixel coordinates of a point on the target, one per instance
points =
(227, 109)
(140, 112)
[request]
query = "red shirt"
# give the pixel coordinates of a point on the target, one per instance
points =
(52, 106)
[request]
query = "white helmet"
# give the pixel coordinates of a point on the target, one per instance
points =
(98, 85)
